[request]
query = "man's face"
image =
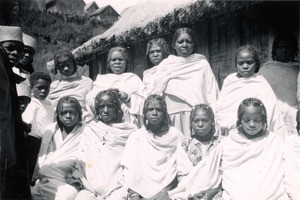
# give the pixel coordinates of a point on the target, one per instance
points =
(14, 50)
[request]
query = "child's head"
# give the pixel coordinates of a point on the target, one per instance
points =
(184, 42)
(157, 50)
(252, 118)
(68, 112)
(65, 62)
(40, 84)
(202, 122)
(285, 47)
(117, 60)
(108, 107)
(24, 95)
(247, 61)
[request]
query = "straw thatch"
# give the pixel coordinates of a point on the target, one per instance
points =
(151, 18)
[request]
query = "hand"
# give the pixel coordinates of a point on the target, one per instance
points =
(137, 197)
(123, 96)
(200, 196)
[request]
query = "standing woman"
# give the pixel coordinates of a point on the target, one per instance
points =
(57, 153)
(69, 82)
(183, 80)
(149, 159)
(130, 88)
(157, 50)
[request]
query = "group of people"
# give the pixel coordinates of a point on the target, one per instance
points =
(171, 135)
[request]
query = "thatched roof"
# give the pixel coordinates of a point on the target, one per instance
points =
(149, 18)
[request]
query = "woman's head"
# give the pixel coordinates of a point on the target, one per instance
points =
(202, 122)
(252, 118)
(108, 107)
(247, 61)
(68, 112)
(117, 60)
(285, 48)
(65, 62)
(155, 113)
(157, 50)
(184, 42)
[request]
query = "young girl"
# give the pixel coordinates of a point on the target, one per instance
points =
(58, 150)
(243, 84)
(39, 113)
(70, 82)
(248, 163)
(184, 80)
(129, 86)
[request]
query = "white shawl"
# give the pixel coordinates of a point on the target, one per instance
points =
(126, 82)
(101, 149)
(190, 79)
(150, 162)
(248, 169)
(235, 90)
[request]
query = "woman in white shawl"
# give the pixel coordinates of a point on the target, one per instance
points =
(281, 73)
(243, 84)
(184, 80)
(57, 156)
(130, 87)
(248, 162)
(101, 148)
(69, 82)
(149, 159)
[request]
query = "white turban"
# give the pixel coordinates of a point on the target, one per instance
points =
(10, 33)
(29, 41)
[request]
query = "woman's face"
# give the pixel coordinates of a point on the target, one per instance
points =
(117, 62)
(252, 121)
(68, 115)
(283, 52)
(14, 50)
(27, 55)
(107, 110)
(66, 67)
(155, 55)
(155, 113)
(201, 123)
(245, 64)
(184, 45)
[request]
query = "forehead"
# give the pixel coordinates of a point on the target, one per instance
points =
(252, 111)
(115, 54)
(154, 104)
(105, 98)
(41, 81)
(155, 47)
(15, 44)
(69, 106)
(201, 113)
(245, 54)
(184, 36)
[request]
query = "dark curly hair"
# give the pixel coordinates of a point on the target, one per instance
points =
(253, 51)
(39, 75)
(62, 56)
(115, 99)
(161, 42)
(59, 108)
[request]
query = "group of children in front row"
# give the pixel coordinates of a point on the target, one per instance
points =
(120, 137)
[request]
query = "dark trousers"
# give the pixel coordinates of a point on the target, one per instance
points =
(33, 145)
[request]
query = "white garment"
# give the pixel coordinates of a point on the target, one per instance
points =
(39, 113)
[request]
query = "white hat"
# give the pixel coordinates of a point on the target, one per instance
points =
(29, 41)
(23, 89)
(10, 33)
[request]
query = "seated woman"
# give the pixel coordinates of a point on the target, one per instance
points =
(129, 86)
(101, 148)
(243, 84)
(281, 74)
(70, 82)
(149, 159)
(58, 152)
(184, 80)
(157, 50)
(248, 162)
